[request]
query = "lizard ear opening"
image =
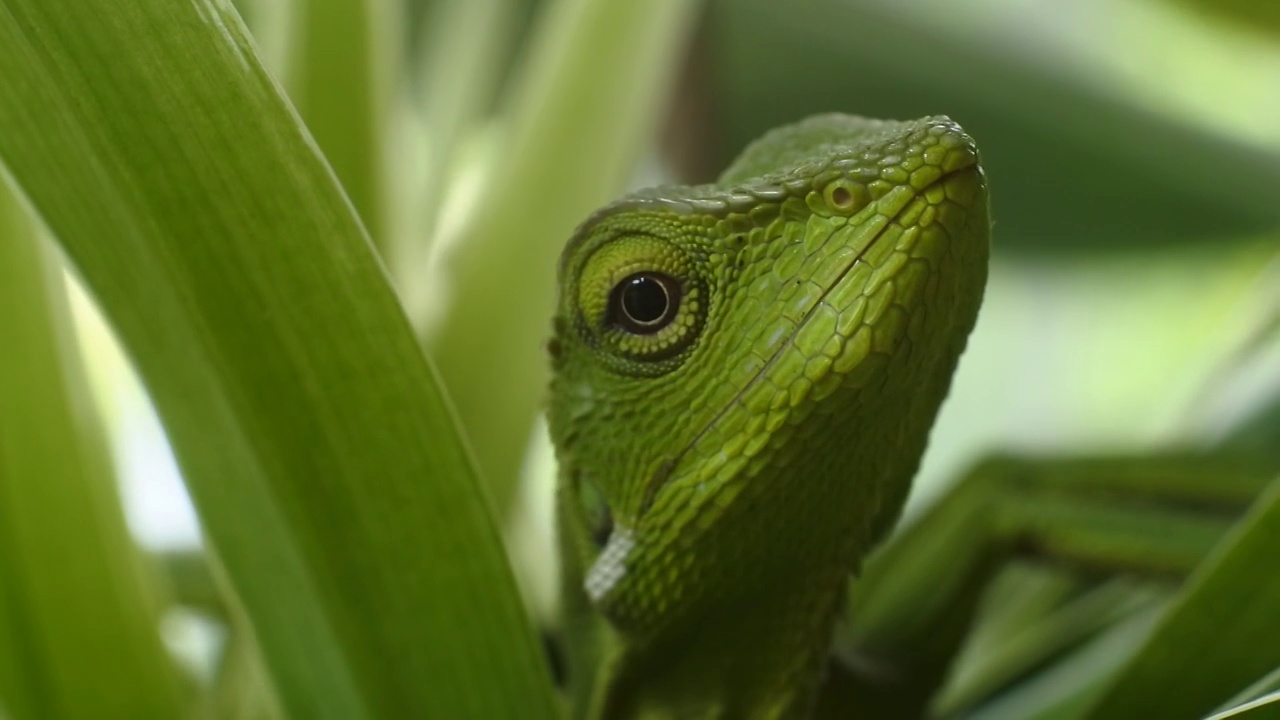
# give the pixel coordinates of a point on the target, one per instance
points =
(596, 511)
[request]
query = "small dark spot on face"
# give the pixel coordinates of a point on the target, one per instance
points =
(553, 348)
(602, 529)
(596, 512)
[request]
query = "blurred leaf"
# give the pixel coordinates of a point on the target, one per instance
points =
(1226, 613)
(1091, 134)
(270, 21)
(79, 623)
(314, 440)
(1261, 698)
(1064, 690)
(1005, 648)
(191, 581)
(1259, 15)
(240, 689)
(1240, 402)
(464, 53)
(340, 77)
(586, 104)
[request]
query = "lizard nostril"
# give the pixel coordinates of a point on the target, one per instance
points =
(845, 196)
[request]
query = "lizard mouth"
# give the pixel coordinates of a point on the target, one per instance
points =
(663, 474)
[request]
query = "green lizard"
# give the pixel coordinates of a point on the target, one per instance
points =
(745, 375)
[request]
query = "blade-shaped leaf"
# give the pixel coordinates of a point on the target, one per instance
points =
(310, 429)
(1077, 118)
(587, 102)
(1261, 697)
(339, 76)
(1227, 613)
(79, 623)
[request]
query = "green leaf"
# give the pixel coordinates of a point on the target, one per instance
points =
(460, 61)
(1263, 697)
(1063, 690)
(339, 76)
(1108, 107)
(1226, 613)
(463, 56)
(586, 104)
(79, 619)
(1259, 16)
(311, 432)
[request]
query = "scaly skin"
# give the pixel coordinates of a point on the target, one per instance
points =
(745, 375)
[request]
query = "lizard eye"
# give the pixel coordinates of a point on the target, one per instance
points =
(645, 302)
(642, 301)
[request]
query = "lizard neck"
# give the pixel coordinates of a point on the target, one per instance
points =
(762, 657)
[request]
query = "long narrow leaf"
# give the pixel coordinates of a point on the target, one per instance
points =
(463, 53)
(317, 447)
(339, 76)
(1259, 698)
(79, 622)
(1091, 103)
(1227, 615)
(586, 104)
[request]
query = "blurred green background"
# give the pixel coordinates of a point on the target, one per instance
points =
(1133, 153)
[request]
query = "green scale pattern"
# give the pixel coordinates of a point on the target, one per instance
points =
(743, 459)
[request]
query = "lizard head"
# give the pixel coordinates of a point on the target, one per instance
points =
(745, 373)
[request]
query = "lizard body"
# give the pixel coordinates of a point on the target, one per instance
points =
(745, 374)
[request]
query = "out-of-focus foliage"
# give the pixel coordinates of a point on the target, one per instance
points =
(246, 255)
(1112, 125)
(312, 433)
(78, 606)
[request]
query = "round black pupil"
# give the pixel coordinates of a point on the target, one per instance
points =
(644, 299)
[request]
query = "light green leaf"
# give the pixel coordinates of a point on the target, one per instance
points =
(586, 103)
(1261, 697)
(310, 430)
(339, 75)
(1226, 613)
(1259, 16)
(1063, 690)
(79, 618)
(1077, 118)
